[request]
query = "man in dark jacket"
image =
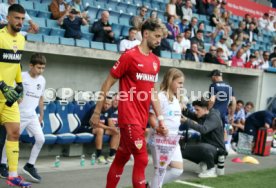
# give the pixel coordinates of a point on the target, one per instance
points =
(102, 29)
(209, 124)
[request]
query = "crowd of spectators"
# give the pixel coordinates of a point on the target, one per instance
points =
(215, 39)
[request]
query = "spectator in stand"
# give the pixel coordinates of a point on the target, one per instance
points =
(186, 43)
(199, 40)
(219, 32)
(225, 20)
(237, 61)
(265, 63)
(59, 8)
(258, 59)
(249, 106)
(211, 56)
(220, 56)
(72, 24)
(223, 6)
(248, 20)
(193, 54)
(233, 50)
(272, 55)
(179, 5)
(178, 45)
(215, 17)
(221, 44)
(250, 32)
(250, 63)
(77, 4)
(187, 10)
(153, 14)
(246, 47)
(256, 22)
(270, 26)
(264, 21)
(129, 42)
(192, 26)
(173, 29)
(102, 29)
(238, 34)
(183, 25)
(34, 28)
(212, 5)
(171, 9)
(138, 20)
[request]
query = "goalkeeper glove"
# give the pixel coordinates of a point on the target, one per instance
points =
(19, 90)
(9, 92)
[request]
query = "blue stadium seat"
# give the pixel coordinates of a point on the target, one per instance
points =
(111, 47)
(97, 45)
(127, 1)
(50, 123)
(125, 31)
(92, 13)
(124, 19)
(163, 6)
(176, 56)
(87, 36)
(40, 21)
(132, 10)
(57, 32)
(99, 4)
(83, 43)
(52, 23)
(46, 1)
(112, 5)
(83, 111)
(85, 28)
(166, 54)
(147, 4)
(69, 123)
(34, 37)
(67, 41)
(122, 7)
(41, 6)
(32, 12)
(155, 5)
(171, 41)
(116, 28)
(207, 46)
(51, 39)
(45, 30)
(27, 4)
(138, 3)
(44, 14)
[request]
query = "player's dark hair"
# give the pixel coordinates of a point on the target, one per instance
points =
(240, 101)
(132, 29)
(250, 103)
(151, 25)
(38, 58)
(16, 8)
(202, 102)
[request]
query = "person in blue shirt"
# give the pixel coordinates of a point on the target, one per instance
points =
(220, 96)
(72, 24)
(259, 119)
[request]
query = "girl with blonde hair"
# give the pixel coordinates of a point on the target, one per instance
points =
(171, 110)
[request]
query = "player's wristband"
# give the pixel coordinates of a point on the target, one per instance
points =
(160, 118)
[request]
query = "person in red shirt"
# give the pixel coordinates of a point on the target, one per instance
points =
(237, 61)
(249, 64)
(137, 70)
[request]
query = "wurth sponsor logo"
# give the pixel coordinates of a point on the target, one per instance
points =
(145, 77)
(10, 56)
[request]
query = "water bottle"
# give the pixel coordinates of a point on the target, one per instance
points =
(57, 161)
(82, 160)
(93, 159)
(220, 167)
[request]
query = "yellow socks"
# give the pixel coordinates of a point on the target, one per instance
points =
(12, 149)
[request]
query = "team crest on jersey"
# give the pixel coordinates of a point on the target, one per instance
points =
(138, 144)
(154, 66)
(116, 65)
(14, 48)
(38, 86)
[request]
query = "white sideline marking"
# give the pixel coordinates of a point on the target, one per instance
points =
(192, 184)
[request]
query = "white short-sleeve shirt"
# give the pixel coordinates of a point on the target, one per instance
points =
(33, 90)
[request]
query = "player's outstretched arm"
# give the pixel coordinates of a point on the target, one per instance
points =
(108, 83)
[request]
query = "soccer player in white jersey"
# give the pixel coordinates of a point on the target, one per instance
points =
(171, 110)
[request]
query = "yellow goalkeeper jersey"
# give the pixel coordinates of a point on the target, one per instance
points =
(11, 49)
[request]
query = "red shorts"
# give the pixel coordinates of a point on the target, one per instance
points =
(132, 139)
